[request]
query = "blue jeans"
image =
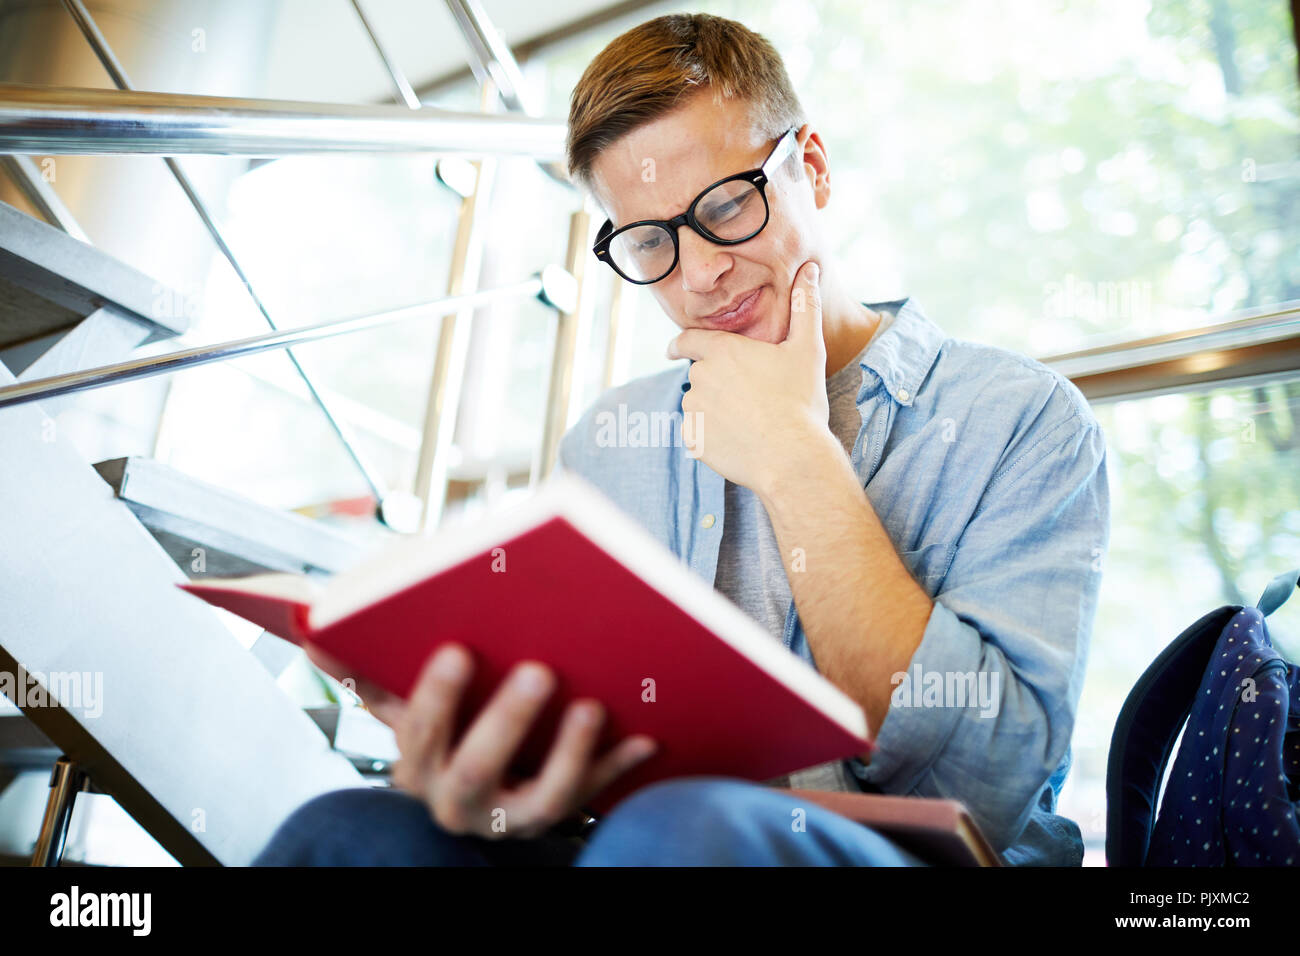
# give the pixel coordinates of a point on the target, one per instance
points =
(690, 821)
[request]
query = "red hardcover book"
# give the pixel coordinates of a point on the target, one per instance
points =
(940, 832)
(568, 579)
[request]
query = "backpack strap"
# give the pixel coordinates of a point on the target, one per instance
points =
(1148, 726)
(1278, 590)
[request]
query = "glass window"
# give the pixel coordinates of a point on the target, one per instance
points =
(1205, 511)
(1060, 174)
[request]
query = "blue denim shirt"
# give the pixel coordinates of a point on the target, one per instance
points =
(988, 471)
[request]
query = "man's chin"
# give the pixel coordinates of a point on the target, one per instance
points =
(766, 330)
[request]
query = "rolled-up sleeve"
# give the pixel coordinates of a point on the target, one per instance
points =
(1016, 609)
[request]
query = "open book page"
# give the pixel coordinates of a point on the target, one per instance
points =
(293, 588)
(276, 602)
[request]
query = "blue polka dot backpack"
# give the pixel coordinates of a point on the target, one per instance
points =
(1231, 796)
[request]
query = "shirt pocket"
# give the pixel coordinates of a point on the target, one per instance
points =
(928, 565)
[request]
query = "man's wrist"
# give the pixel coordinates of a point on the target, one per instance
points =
(802, 463)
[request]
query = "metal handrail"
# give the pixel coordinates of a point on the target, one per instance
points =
(75, 121)
(1263, 344)
(553, 285)
(1265, 325)
(90, 30)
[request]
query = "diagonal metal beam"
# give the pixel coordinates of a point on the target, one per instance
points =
(405, 92)
(526, 49)
(33, 185)
(492, 63)
(489, 57)
(106, 56)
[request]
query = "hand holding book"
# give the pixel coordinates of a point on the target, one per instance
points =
(466, 783)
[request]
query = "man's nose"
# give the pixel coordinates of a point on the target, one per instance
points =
(701, 262)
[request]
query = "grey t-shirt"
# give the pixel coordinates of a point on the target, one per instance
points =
(750, 571)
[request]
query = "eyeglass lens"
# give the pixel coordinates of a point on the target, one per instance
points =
(730, 211)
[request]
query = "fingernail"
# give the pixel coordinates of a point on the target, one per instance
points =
(532, 680)
(644, 747)
(450, 664)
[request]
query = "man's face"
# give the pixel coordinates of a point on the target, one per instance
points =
(655, 171)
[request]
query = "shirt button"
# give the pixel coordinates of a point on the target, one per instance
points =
(707, 521)
(904, 394)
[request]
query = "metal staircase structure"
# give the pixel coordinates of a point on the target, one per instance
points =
(127, 685)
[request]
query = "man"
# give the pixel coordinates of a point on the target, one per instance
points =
(922, 519)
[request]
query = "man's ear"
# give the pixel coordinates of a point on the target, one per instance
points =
(816, 164)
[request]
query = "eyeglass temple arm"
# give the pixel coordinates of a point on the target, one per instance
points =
(783, 151)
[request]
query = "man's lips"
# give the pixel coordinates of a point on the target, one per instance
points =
(738, 313)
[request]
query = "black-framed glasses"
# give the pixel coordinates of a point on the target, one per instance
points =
(731, 211)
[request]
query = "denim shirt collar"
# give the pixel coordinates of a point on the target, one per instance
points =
(902, 356)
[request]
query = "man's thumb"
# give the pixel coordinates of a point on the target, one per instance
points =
(806, 307)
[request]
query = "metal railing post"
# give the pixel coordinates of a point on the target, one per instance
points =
(66, 781)
(448, 376)
(560, 387)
